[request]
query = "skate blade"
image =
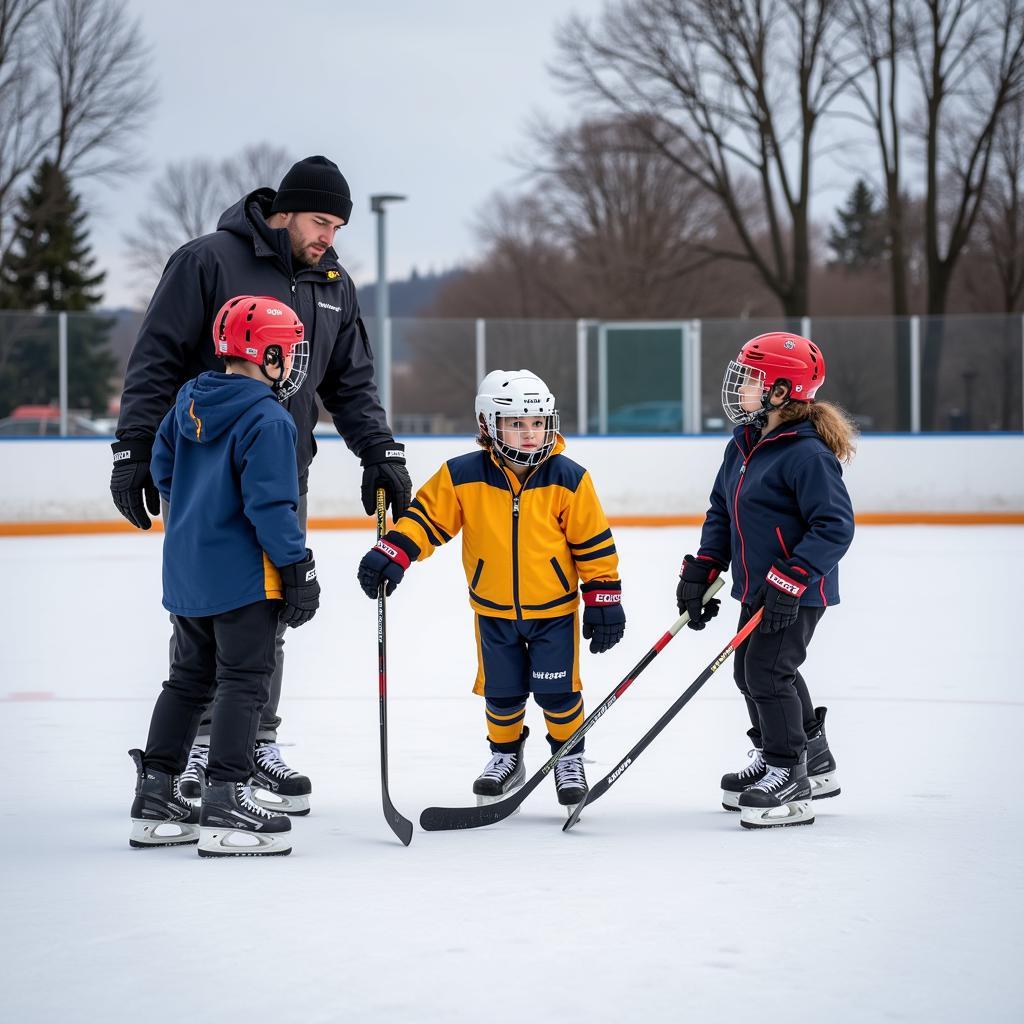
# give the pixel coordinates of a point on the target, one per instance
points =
(220, 842)
(486, 801)
(161, 833)
(278, 803)
(825, 785)
(798, 812)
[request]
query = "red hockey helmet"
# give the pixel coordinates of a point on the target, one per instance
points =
(765, 361)
(264, 331)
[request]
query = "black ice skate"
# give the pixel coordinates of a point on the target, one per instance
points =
(505, 771)
(733, 783)
(232, 824)
(160, 815)
(821, 765)
(782, 797)
(277, 787)
(570, 780)
(191, 780)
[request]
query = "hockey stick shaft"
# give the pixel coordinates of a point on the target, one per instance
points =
(602, 787)
(400, 825)
(435, 819)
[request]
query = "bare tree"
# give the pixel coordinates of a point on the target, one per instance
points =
(630, 220)
(733, 91)
(968, 59)
(189, 196)
(75, 88)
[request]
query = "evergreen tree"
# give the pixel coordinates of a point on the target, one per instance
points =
(49, 267)
(858, 241)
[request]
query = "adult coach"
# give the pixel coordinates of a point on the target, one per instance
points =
(277, 244)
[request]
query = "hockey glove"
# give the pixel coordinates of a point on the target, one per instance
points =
(301, 591)
(694, 577)
(785, 585)
(386, 562)
(384, 466)
(604, 621)
(131, 484)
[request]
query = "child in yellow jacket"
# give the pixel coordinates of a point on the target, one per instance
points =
(533, 531)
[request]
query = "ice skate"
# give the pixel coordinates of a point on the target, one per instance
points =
(821, 765)
(160, 815)
(505, 772)
(191, 780)
(570, 780)
(782, 797)
(733, 783)
(232, 824)
(277, 787)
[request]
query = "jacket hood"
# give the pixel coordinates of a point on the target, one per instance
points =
(208, 406)
(248, 219)
(802, 429)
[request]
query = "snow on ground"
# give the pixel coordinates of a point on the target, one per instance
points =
(901, 903)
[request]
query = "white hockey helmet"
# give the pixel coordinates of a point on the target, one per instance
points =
(520, 394)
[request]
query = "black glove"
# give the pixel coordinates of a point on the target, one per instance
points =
(384, 466)
(385, 562)
(301, 591)
(695, 576)
(131, 484)
(785, 584)
(604, 621)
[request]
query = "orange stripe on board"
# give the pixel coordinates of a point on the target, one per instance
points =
(361, 523)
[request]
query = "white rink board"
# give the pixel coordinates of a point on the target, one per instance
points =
(47, 481)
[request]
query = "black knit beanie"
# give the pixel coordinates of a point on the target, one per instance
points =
(314, 185)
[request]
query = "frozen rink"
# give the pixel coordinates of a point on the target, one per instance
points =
(903, 902)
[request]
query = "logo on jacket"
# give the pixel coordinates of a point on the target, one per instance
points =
(327, 305)
(333, 275)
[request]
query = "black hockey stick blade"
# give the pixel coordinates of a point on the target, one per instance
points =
(400, 825)
(599, 789)
(439, 819)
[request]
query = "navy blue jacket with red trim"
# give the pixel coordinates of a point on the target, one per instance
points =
(779, 498)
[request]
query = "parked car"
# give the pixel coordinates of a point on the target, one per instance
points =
(44, 421)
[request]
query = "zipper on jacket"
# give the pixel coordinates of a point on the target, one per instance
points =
(515, 553)
(736, 508)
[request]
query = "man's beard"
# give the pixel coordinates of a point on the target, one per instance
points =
(307, 257)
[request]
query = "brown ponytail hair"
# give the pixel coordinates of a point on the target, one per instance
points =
(832, 423)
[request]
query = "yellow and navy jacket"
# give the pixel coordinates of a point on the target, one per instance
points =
(224, 460)
(525, 547)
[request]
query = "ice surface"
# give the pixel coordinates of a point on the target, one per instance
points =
(903, 902)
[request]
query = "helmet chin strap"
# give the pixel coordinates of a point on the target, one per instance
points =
(276, 383)
(761, 419)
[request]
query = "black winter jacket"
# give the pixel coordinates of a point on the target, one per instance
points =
(779, 498)
(246, 257)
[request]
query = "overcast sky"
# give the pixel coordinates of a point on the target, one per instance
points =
(429, 99)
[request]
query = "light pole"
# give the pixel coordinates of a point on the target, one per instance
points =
(378, 204)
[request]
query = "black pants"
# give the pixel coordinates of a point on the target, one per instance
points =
(270, 721)
(767, 671)
(227, 659)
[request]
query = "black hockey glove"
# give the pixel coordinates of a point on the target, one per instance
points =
(386, 562)
(784, 586)
(694, 577)
(301, 591)
(604, 621)
(384, 466)
(131, 484)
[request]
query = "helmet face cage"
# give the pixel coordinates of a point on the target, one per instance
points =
(289, 386)
(743, 382)
(519, 456)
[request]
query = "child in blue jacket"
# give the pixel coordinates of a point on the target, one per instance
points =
(781, 515)
(234, 561)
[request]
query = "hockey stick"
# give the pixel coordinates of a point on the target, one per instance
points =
(402, 827)
(602, 787)
(436, 819)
